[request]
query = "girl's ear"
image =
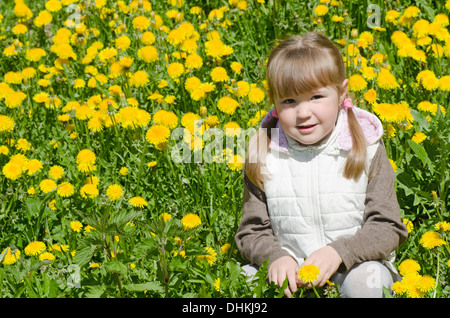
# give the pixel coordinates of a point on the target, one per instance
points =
(343, 91)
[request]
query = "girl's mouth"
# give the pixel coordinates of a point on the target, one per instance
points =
(306, 129)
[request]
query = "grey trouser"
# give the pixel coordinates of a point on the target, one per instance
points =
(364, 280)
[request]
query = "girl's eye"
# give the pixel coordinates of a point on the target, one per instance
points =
(316, 97)
(288, 101)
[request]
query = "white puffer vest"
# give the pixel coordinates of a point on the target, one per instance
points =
(310, 203)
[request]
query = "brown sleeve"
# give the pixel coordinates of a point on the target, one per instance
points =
(255, 238)
(383, 230)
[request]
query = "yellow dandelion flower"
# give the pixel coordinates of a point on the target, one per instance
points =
(89, 191)
(151, 164)
(236, 67)
(393, 164)
(243, 88)
(227, 105)
(139, 79)
(107, 54)
(256, 95)
(431, 240)
(53, 5)
(419, 137)
(21, 10)
(442, 226)
(34, 248)
(427, 106)
(122, 42)
(47, 185)
(35, 55)
(15, 99)
(426, 283)
(56, 172)
(44, 17)
(10, 257)
(420, 28)
(86, 160)
(190, 221)
(157, 134)
(166, 118)
(409, 225)
(444, 83)
(175, 70)
(33, 166)
(398, 288)
(141, 23)
(411, 12)
(65, 189)
(217, 284)
(371, 96)
(192, 83)
(428, 80)
(408, 267)
(76, 226)
(148, 38)
(210, 256)
(225, 248)
(320, 10)
(356, 83)
(79, 83)
(4, 150)
(12, 170)
(365, 39)
(138, 202)
(219, 74)
(232, 128)
(308, 273)
(392, 16)
(6, 123)
(216, 48)
(123, 171)
(193, 61)
(368, 73)
(409, 283)
(386, 112)
(114, 192)
(235, 162)
(386, 80)
(148, 53)
(46, 256)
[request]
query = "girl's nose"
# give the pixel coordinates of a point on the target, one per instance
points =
(303, 110)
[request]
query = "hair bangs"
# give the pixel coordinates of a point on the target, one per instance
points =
(301, 70)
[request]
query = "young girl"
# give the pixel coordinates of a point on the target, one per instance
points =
(319, 188)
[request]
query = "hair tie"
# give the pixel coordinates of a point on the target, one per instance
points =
(347, 104)
(274, 112)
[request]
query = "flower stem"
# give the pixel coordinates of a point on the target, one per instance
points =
(315, 291)
(437, 275)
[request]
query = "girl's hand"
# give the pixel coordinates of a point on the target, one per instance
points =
(327, 260)
(284, 267)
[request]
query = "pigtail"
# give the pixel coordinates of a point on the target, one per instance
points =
(256, 157)
(356, 161)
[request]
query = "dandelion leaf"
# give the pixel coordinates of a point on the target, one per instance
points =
(84, 255)
(149, 286)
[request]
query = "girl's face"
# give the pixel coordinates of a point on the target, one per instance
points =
(310, 118)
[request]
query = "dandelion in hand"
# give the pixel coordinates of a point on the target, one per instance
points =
(308, 273)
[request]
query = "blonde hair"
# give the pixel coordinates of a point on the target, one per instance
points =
(301, 64)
